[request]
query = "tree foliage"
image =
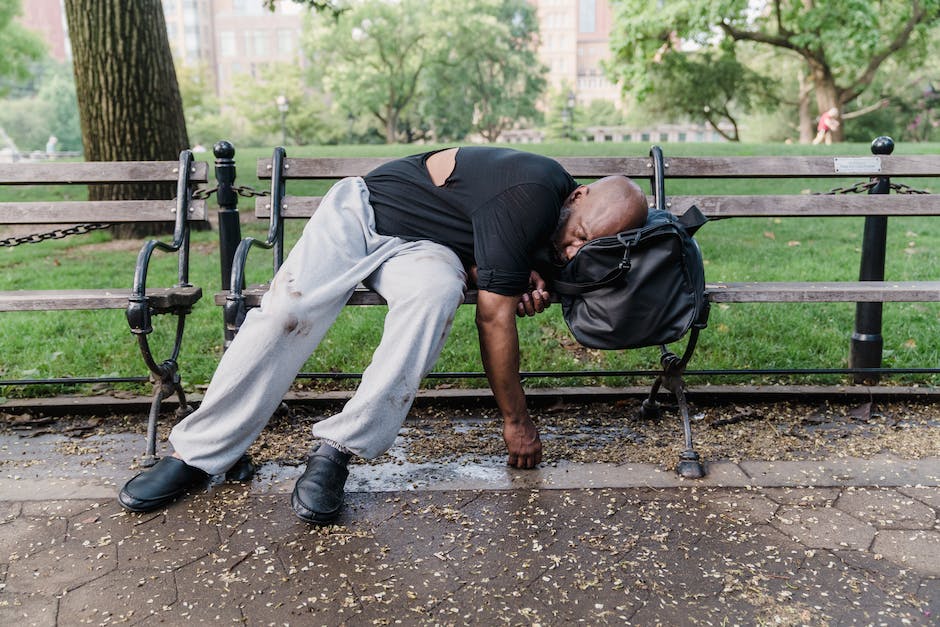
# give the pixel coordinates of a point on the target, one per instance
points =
(841, 44)
(47, 107)
(489, 77)
(372, 57)
(442, 68)
(20, 47)
(710, 85)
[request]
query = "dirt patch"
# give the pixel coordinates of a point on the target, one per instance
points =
(595, 432)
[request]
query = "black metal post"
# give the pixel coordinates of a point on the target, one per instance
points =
(867, 341)
(230, 232)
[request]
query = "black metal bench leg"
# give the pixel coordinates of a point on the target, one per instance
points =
(150, 456)
(650, 408)
(690, 465)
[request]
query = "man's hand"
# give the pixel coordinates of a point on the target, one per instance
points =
(536, 300)
(523, 443)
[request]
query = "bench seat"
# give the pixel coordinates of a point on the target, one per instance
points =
(162, 300)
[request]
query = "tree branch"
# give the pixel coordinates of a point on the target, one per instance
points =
(858, 86)
(881, 104)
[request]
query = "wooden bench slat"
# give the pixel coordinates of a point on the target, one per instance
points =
(802, 166)
(676, 167)
(821, 205)
(71, 212)
(92, 172)
(161, 299)
(829, 292)
(336, 168)
(770, 292)
(291, 206)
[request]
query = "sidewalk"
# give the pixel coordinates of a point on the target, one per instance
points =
(834, 541)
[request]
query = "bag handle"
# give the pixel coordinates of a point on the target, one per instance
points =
(623, 267)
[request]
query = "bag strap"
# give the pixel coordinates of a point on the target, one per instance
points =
(693, 219)
(573, 289)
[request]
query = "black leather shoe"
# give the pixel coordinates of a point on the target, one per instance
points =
(318, 494)
(162, 484)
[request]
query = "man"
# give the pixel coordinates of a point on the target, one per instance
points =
(412, 230)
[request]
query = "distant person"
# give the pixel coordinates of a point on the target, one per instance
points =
(199, 148)
(414, 230)
(828, 122)
(50, 145)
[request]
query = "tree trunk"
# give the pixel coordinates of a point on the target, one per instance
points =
(827, 96)
(807, 127)
(128, 96)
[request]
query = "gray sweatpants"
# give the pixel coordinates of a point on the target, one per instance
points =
(423, 283)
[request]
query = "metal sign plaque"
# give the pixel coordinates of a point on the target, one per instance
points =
(857, 165)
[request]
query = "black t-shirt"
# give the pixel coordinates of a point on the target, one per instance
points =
(497, 210)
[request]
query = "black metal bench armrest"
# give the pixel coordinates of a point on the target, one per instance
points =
(235, 310)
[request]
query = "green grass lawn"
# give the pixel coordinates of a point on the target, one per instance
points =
(87, 344)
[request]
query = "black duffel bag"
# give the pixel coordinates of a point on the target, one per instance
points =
(642, 287)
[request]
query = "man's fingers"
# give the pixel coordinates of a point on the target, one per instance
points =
(533, 303)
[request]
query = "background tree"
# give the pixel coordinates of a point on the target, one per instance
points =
(307, 119)
(709, 86)
(842, 44)
(564, 119)
(21, 48)
(128, 96)
(373, 56)
(489, 76)
(603, 113)
(44, 105)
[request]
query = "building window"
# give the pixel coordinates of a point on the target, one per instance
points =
(261, 47)
(247, 7)
(227, 47)
(587, 16)
(285, 42)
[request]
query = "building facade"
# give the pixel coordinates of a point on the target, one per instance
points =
(575, 41)
(47, 19)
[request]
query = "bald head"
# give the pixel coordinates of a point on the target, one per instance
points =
(605, 207)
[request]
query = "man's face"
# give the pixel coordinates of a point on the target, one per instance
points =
(569, 237)
(605, 207)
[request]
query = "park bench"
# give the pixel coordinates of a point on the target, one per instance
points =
(875, 206)
(139, 300)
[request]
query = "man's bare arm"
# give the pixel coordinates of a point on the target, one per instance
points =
(499, 348)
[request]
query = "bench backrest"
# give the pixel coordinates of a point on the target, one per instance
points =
(95, 173)
(800, 202)
(820, 172)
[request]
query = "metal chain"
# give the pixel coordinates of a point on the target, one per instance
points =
(901, 188)
(861, 187)
(201, 193)
(35, 238)
(247, 191)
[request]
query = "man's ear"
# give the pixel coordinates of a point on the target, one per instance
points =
(579, 192)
